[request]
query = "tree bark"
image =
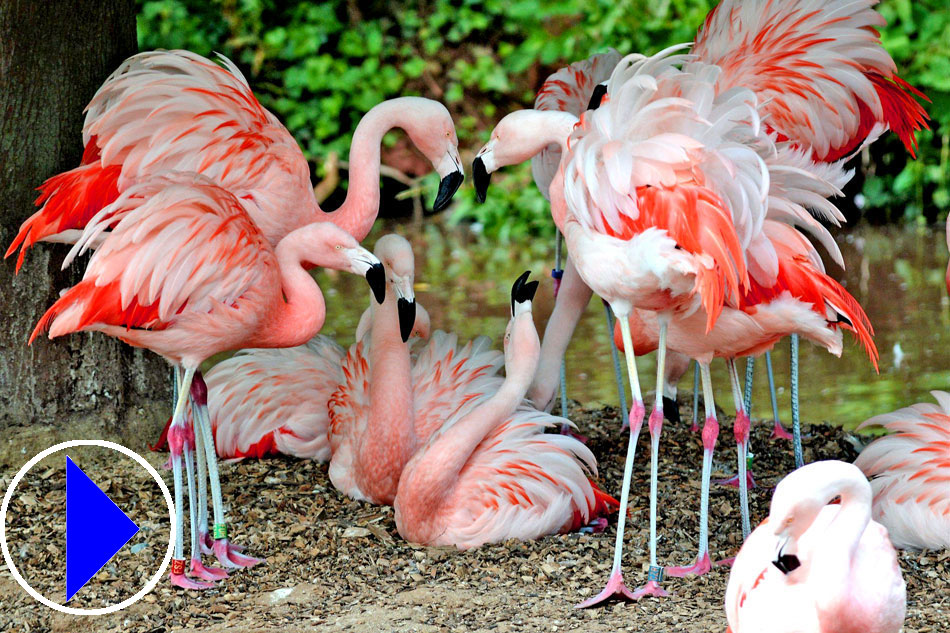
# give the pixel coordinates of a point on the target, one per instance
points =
(53, 57)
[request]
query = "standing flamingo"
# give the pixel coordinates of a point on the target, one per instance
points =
(910, 473)
(166, 111)
(816, 565)
(392, 400)
(665, 186)
(491, 473)
(186, 273)
(275, 401)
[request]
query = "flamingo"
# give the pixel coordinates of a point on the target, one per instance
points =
(910, 473)
(664, 188)
(186, 273)
(804, 301)
(816, 565)
(491, 473)
(274, 401)
(166, 111)
(392, 398)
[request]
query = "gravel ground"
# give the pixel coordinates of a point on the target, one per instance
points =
(338, 565)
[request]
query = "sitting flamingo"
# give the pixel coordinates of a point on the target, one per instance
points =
(910, 474)
(492, 473)
(393, 397)
(815, 565)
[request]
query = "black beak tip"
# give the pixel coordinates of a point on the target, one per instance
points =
(522, 290)
(447, 188)
(482, 178)
(376, 277)
(787, 563)
(407, 317)
(597, 96)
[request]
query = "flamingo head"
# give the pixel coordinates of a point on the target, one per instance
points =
(329, 246)
(433, 132)
(522, 346)
(517, 137)
(395, 253)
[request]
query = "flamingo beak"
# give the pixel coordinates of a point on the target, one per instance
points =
(405, 306)
(376, 277)
(450, 169)
(482, 178)
(785, 563)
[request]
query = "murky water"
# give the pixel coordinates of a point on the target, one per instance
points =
(896, 274)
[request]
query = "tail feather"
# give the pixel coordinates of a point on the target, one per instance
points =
(902, 112)
(69, 200)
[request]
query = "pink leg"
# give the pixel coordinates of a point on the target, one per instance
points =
(655, 575)
(703, 563)
(177, 437)
(779, 432)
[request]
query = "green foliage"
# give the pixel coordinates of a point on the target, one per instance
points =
(321, 66)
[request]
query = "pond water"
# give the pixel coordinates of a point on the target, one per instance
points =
(896, 274)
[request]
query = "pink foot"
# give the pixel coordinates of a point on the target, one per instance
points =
(206, 543)
(652, 588)
(183, 581)
(702, 566)
(230, 556)
(198, 570)
(694, 428)
(779, 432)
(567, 430)
(734, 480)
(596, 526)
(615, 587)
(726, 562)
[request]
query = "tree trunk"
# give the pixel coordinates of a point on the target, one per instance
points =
(53, 57)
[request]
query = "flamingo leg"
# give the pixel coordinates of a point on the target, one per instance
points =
(749, 380)
(615, 585)
(778, 431)
(557, 274)
(198, 570)
(710, 433)
(177, 438)
(618, 375)
(204, 536)
(741, 429)
(796, 422)
(655, 576)
(228, 555)
(695, 426)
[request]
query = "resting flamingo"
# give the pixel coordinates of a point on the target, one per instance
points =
(678, 134)
(816, 565)
(166, 111)
(274, 401)
(491, 473)
(910, 473)
(186, 273)
(393, 398)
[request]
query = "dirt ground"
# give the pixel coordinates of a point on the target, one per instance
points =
(337, 565)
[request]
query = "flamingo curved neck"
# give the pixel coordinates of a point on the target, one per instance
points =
(359, 210)
(832, 562)
(389, 439)
(299, 309)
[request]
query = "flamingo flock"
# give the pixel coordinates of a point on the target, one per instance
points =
(690, 187)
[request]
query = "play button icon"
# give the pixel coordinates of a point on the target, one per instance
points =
(96, 529)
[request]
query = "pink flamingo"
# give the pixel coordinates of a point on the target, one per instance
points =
(678, 134)
(393, 398)
(166, 111)
(803, 301)
(275, 401)
(910, 473)
(491, 473)
(186, 273)
(817, 565)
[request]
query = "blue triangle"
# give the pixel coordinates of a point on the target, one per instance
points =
(95, 529)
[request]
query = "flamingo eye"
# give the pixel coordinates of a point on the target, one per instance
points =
(338, 247)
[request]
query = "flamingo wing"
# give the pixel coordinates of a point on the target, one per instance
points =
(164, 111)
(910, 473)
(447, 378)
(818, 68)
(568, 90)
(181, 246)
(522, 483)
(348, 409)
(267, 401)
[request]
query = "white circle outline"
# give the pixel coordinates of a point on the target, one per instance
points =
(151, 584)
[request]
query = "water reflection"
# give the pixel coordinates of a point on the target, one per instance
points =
(896, 274)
